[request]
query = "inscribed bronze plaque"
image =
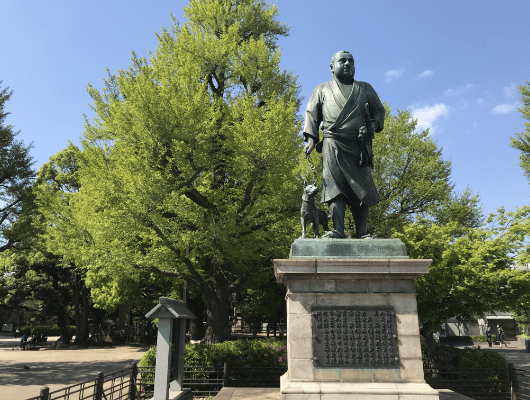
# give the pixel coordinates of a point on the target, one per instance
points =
(355, 337)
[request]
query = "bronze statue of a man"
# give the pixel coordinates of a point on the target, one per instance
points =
(350, 112)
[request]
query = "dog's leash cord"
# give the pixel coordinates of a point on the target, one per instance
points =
(312, 166)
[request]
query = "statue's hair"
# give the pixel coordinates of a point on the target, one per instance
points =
(338, 52)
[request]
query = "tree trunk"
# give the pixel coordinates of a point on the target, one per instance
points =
(431, 344)
(217, 295)
(197, 307)
(63, 328)
(255, 323)
(76, 308)
(61, 314)
(83, 330)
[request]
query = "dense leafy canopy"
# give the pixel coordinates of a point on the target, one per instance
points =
(16, 176)
(471, 272)
(190, 168)
(522, 140)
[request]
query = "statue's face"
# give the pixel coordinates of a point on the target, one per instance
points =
(342, 66)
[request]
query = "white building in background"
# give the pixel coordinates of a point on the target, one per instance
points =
(505, 319)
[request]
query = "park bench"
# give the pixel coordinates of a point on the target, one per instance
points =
(34, 341)
(30, 344)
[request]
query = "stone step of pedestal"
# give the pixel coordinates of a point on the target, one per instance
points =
(229, 393)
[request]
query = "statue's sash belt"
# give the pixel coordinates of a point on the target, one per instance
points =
(344, 137)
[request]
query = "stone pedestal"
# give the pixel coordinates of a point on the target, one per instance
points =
(355, 274)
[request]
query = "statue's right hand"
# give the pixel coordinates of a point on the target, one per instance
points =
(308, 148)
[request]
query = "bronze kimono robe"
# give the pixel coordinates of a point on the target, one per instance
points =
(341, 119)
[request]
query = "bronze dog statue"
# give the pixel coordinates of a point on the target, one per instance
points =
(310, 212)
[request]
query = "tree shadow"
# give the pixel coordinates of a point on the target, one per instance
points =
(60, 372)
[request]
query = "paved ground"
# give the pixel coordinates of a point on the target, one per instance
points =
(56, 368)
(60, 368)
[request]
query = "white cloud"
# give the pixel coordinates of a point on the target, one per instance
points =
(510, 90)
(393, 74)
(426, 73)
(426, 116)
(505, 108)
(458, 91)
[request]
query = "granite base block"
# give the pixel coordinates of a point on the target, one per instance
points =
(291, 390)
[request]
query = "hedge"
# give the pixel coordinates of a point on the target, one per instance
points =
(475, 338)
(242, 353)
(480, 358)
(46, 330)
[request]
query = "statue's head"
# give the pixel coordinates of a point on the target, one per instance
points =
(342, 66)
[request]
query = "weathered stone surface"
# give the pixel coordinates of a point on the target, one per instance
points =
(351, 273)
(348, 248)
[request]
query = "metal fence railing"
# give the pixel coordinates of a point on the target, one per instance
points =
(145, 382)
(254, 376)
(477, 383)
(119, 385)
(204, 381)
(521, 384)
(138, 382)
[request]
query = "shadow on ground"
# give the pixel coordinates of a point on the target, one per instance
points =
(59, 373)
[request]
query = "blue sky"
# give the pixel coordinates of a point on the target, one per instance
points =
(455, 64)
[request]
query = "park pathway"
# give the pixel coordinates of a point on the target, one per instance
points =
(56, 368)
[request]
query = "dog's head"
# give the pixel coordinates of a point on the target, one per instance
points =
(310, 191)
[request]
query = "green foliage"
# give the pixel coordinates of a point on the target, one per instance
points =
(409, 173)
(191, 168)
(522, 140)
(480, 358)
(46, 330)
(471, 269)
(149, 358)
(424, 356)
(241, 353)
(16, 175)
(483, 338)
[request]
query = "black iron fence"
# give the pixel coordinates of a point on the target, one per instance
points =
(138, 382)
(128, 384)
(521, 383)
(477, 383)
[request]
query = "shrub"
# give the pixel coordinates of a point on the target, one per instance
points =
(450, 339)
(242, 353)
(482, 338)
(46, 330)
(149, 358)
(480, 358)
(148, 378)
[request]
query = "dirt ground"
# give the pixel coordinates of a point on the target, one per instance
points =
(56, 368)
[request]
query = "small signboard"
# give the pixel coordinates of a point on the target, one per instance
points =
(7, 328)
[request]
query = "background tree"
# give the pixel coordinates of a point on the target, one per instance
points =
(35, 281)
(409, 173)
(189, 169)
(471, 272)
(522, 140)
(16, 176)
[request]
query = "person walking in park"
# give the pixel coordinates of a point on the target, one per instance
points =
(502, 336)
(488, 334)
